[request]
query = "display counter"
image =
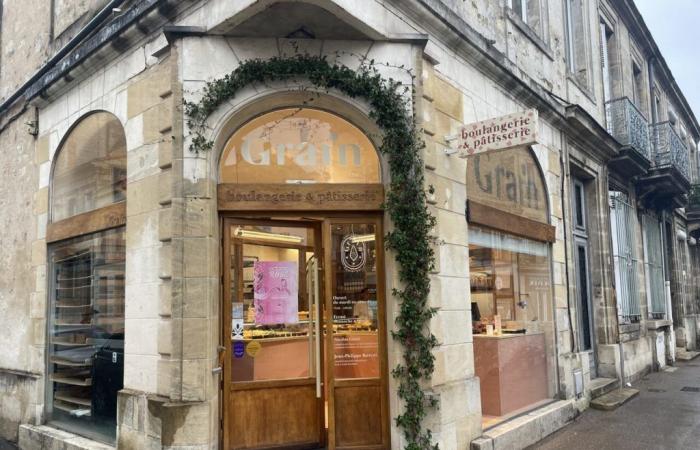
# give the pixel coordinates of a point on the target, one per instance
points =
(512, 371)
(263, 361)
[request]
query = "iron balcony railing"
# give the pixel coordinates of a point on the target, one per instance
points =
(694, 197)
(669, 150)
(628, 126)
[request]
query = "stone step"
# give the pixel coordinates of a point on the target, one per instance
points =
(527, 429)
(614, 399)
(601, 386)
(685, 355)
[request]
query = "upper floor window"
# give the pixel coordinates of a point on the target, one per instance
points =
(607, 52)
(577, 41)
(638, 91)
(90, 169)
(299, 146)
(532, 13)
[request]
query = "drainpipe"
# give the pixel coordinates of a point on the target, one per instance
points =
(55, 59)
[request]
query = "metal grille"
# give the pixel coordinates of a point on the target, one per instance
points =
(654, 266)
(625, 260)
(628, 125)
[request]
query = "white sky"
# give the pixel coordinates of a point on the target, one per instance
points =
(674, 25)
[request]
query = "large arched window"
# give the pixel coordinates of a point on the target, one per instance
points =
(90, 170)
(86, 278)
(298, 146)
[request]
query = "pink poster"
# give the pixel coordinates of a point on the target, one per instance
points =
(275, 292)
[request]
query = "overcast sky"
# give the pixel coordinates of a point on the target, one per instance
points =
(674, 25)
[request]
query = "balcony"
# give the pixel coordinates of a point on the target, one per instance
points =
(668, 179)
(629, 127)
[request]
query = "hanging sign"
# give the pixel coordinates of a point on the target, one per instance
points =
(497, 134)
(276, 292)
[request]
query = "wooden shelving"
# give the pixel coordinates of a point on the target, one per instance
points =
(72, 380)
(88, 314)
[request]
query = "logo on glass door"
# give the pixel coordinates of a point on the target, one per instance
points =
(353, 253)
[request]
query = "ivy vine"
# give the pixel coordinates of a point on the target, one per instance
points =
(410, 240)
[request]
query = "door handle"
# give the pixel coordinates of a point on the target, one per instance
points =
(318, 331)
(216, 370)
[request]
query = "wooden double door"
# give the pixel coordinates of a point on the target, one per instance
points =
(304, 338)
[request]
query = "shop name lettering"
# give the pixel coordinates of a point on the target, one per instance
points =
(516, 186)
(303, 154)
(311, 197)
(499, 133)
(512, 132)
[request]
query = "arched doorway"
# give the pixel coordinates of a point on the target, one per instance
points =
(303, 325)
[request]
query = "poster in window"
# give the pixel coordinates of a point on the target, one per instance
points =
(276, 292)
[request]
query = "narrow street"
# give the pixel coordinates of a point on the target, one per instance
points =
(662, 416)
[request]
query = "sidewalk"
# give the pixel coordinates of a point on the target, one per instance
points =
(662, 416)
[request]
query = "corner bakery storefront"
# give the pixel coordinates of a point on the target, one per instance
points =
(511, 283)
(303, 316)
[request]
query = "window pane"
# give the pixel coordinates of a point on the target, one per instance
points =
(299, 145)
(86, 331)
(354, 299)
(90, 170)
(271, 319)
(577, 38)
(578, 204)
(512, 323)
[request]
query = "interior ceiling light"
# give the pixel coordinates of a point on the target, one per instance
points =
(362, 238)
(263, 235)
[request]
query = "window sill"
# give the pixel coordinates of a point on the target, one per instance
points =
(529, 33)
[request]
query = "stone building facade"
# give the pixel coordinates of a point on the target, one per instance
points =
(588, 267)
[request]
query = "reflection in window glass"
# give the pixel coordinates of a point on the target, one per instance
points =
(271, 319)
(299, 145)
(90, 169)
(86, 331)
(354, 300)
(512, 322)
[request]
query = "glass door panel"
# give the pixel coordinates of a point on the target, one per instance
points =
(271, 327)
(354, 301)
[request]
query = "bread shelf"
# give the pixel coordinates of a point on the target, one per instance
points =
(72, 399)
(71, 380)
(72, 409)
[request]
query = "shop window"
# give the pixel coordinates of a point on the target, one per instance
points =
(512, 322)
(90, 171)
(577, 41)
(85, 356)
(622, 223)
(299, 146)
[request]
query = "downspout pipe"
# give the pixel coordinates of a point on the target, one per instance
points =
(65, 50)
